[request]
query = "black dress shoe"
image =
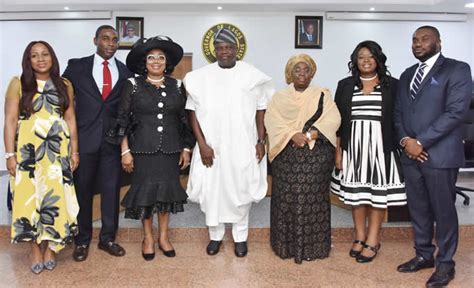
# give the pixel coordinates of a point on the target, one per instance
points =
(415, 264)
(366, 259)
(441, 277)
(112, 248)
(213, 247)
(80, 252)
(240, 249)
(147, 256)
(354, 253)
(169, 253)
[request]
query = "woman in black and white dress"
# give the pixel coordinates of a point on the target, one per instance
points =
(368, 172)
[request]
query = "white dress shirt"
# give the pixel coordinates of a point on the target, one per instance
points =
(98, 71)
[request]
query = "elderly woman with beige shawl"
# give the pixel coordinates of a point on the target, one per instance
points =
(301, 121)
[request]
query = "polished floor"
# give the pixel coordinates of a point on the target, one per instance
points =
(261, 268)
(194, 268)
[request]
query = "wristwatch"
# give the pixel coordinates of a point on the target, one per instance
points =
(9, 155)
(262, 141)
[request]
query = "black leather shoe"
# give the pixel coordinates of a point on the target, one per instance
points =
(112, 248)
(147, 256)
(366, 259)
(441, 277)
(213, 247)
(169, 253)
(415, 264)
(240, 249)
(80, 253)
(354, 253)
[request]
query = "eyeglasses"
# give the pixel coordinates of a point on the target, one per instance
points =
(156, 58)
(305, 71)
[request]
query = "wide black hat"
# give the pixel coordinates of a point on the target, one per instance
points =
(173, 50)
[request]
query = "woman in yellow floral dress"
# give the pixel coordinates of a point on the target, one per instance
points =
(39, 117)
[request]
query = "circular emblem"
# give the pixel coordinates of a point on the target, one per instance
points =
(208, 39)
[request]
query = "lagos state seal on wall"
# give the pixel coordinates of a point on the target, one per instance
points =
(208, 42)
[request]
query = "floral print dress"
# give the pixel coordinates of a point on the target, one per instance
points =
(44, 199)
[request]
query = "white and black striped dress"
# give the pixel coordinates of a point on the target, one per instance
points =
(368, 176)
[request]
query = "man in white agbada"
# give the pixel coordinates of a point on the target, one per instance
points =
(228, 172)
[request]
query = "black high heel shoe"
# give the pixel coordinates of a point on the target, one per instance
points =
(354, 253)
(147, 256)
(169, 253)
(366, 259)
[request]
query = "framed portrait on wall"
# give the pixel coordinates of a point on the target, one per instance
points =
(129, 29)
(309, 32)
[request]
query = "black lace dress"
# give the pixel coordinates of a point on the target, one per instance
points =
(300, 223)
(157, 127)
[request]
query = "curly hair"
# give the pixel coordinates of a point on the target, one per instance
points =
(379, 57)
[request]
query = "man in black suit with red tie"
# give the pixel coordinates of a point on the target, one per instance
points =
(97, 81)
(433, 100)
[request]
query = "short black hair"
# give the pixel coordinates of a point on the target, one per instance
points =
(432, 28)
(103, 27)
(379, 57)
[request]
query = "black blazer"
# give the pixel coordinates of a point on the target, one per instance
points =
(343, 99)
(304, 38)
(93, 115)
(153, 119)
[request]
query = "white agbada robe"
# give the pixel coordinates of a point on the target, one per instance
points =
(225, 102)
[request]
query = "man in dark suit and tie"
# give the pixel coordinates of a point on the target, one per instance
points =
(433, 99)
(97, 81)
(308, 36)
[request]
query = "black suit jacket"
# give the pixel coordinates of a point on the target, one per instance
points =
(93, 115)
(343, 99)
(304, 38)
(435, 117)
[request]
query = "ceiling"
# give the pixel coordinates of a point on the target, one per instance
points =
(438, 6)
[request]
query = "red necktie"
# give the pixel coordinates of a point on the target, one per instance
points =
(107, 83)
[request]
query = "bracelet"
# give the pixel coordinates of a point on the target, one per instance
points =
(125, 152)
(75, 153)
(9, 155)
(261, 141)
(187, 150)
(308, 135)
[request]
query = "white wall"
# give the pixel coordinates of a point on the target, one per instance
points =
(270, 39)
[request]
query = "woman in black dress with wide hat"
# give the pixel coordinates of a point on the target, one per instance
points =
(155, 137)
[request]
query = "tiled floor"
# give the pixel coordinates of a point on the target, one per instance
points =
(261, 268)
(193, 268)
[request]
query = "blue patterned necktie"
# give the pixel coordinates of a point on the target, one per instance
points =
(417, 81)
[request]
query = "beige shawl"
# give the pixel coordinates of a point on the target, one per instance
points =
(289, 110)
